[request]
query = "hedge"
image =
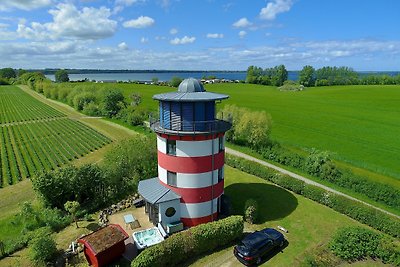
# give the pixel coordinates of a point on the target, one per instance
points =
(184, 245)
(357, 243)
(354, 209)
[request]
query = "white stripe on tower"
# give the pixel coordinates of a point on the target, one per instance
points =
(197, 210)
(190, 180)
(190, 148)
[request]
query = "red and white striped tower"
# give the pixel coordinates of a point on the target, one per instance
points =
(190, 143)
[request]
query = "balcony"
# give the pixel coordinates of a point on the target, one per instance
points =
(190, 127)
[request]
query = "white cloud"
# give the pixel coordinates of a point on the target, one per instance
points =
(173, 31)
(6, 5)
(139, 23)
(69, 22)
(121, 4)
(144, 40)
(215, 35)
(242, 23)
(242, 34)
(123, 46)
(274, 8)
(183, 40)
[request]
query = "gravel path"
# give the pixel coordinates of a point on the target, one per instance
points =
(302, 178)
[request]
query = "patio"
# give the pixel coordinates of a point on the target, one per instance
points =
(142, 217)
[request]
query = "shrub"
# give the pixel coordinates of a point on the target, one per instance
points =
(356, 243)
(182, 246)
(43, 250)
(251, 211)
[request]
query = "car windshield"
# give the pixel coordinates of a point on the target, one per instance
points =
(253, 239)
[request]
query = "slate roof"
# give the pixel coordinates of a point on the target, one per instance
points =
(154, 192)
(190, 90)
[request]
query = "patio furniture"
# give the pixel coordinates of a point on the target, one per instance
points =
(130, 220)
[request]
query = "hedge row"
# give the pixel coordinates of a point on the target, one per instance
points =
(354, 209)
(182, 246)
(320, 165)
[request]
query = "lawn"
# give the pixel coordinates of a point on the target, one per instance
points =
(359, 125)
(310, 224)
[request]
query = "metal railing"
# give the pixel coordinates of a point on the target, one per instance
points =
(189, 127)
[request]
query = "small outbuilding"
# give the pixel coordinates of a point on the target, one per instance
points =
(105, 245)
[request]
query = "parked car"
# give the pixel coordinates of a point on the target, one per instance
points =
(256, 245)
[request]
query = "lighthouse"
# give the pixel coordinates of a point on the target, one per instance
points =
(191, 151)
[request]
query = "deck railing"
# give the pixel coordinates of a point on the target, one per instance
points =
(189, 127)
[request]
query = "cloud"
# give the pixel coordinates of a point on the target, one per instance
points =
(6, 5)
(139, 23)
(242, 23)
(215, 35)
(123, 46)
(274, 8)
(173, 31)
(183, 40)
(242, 34)
(144, 40)
(121, 4)
(69, 22)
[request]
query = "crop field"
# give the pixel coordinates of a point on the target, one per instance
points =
(30, 144)
(359, 125)
(17, 106)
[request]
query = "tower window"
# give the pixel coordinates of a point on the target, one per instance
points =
(220, 174)
(221, 143)
(171, 147)
(171, 178)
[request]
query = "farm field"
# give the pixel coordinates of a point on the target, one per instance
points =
(29, 143)
(359, 125)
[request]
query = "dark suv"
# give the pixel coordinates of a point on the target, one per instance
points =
(255, 245)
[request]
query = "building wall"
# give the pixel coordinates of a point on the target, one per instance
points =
(196, 176)
(162, 208)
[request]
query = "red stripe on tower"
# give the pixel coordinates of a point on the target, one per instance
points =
(191, 164)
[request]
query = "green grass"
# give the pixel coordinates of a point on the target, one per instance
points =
(310, 224)
(359, 125)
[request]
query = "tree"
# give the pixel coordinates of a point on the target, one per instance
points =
(7, 73)
(279, 76)
(307, 76)
(72, 207)
(42, 250)
(175, 81)
(154, 80)
(113, 102)
(61, 76)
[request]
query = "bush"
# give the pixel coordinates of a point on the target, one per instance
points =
(251, 211)
(356, 243)
(354, 209)
(42, 250)
(182, 246)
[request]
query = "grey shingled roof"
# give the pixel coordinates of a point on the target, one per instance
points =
(154, 192)
(190, 90)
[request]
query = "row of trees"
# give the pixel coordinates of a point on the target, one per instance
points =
(326, 76)
(275, 76)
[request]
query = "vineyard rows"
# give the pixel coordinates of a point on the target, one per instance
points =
(27, 148)
(18, 106)
(34, 137)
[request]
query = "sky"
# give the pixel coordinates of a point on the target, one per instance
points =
(200, 34)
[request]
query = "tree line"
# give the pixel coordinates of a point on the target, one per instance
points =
(325, 76)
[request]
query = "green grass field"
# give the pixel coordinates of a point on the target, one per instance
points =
(35, 137)
(310, 224)
(359, 125)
